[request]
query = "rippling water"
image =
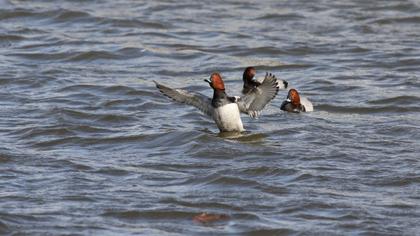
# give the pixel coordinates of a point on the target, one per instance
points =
(89, 146)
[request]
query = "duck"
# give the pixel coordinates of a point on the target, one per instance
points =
(251, 82)
(295, 103)
(225, 110)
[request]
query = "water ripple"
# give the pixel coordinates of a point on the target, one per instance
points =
(91, 147)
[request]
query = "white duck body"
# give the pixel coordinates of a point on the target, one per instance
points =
(228, 118)
(307, 104)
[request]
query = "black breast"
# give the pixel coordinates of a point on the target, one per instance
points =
(220, 99)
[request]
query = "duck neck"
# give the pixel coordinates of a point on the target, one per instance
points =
(219, 96)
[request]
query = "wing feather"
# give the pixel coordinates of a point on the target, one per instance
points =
(197, 100)
(255, 100)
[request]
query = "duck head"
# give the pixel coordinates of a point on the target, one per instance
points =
(216, 82)
(249, 75)
(293, 97)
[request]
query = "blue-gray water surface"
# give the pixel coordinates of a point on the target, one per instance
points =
(90, 147)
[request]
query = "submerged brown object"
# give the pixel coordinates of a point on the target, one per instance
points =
(208, 217)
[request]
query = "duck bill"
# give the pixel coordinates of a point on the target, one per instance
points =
(208, 81)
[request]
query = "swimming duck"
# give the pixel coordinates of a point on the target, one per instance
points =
(225, 110)
(295, 103)
(251, 82)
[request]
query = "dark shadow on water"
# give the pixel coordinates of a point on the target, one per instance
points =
(246, 137)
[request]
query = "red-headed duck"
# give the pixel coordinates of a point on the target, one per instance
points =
(251, 82)
(225, 110)
(295, 103)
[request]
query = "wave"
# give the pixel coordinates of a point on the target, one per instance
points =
(366, 109)
(398, 20)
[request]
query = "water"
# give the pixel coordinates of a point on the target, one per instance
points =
(90, 147)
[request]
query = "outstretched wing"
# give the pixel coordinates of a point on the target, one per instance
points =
(255, 100)
(194, 99)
